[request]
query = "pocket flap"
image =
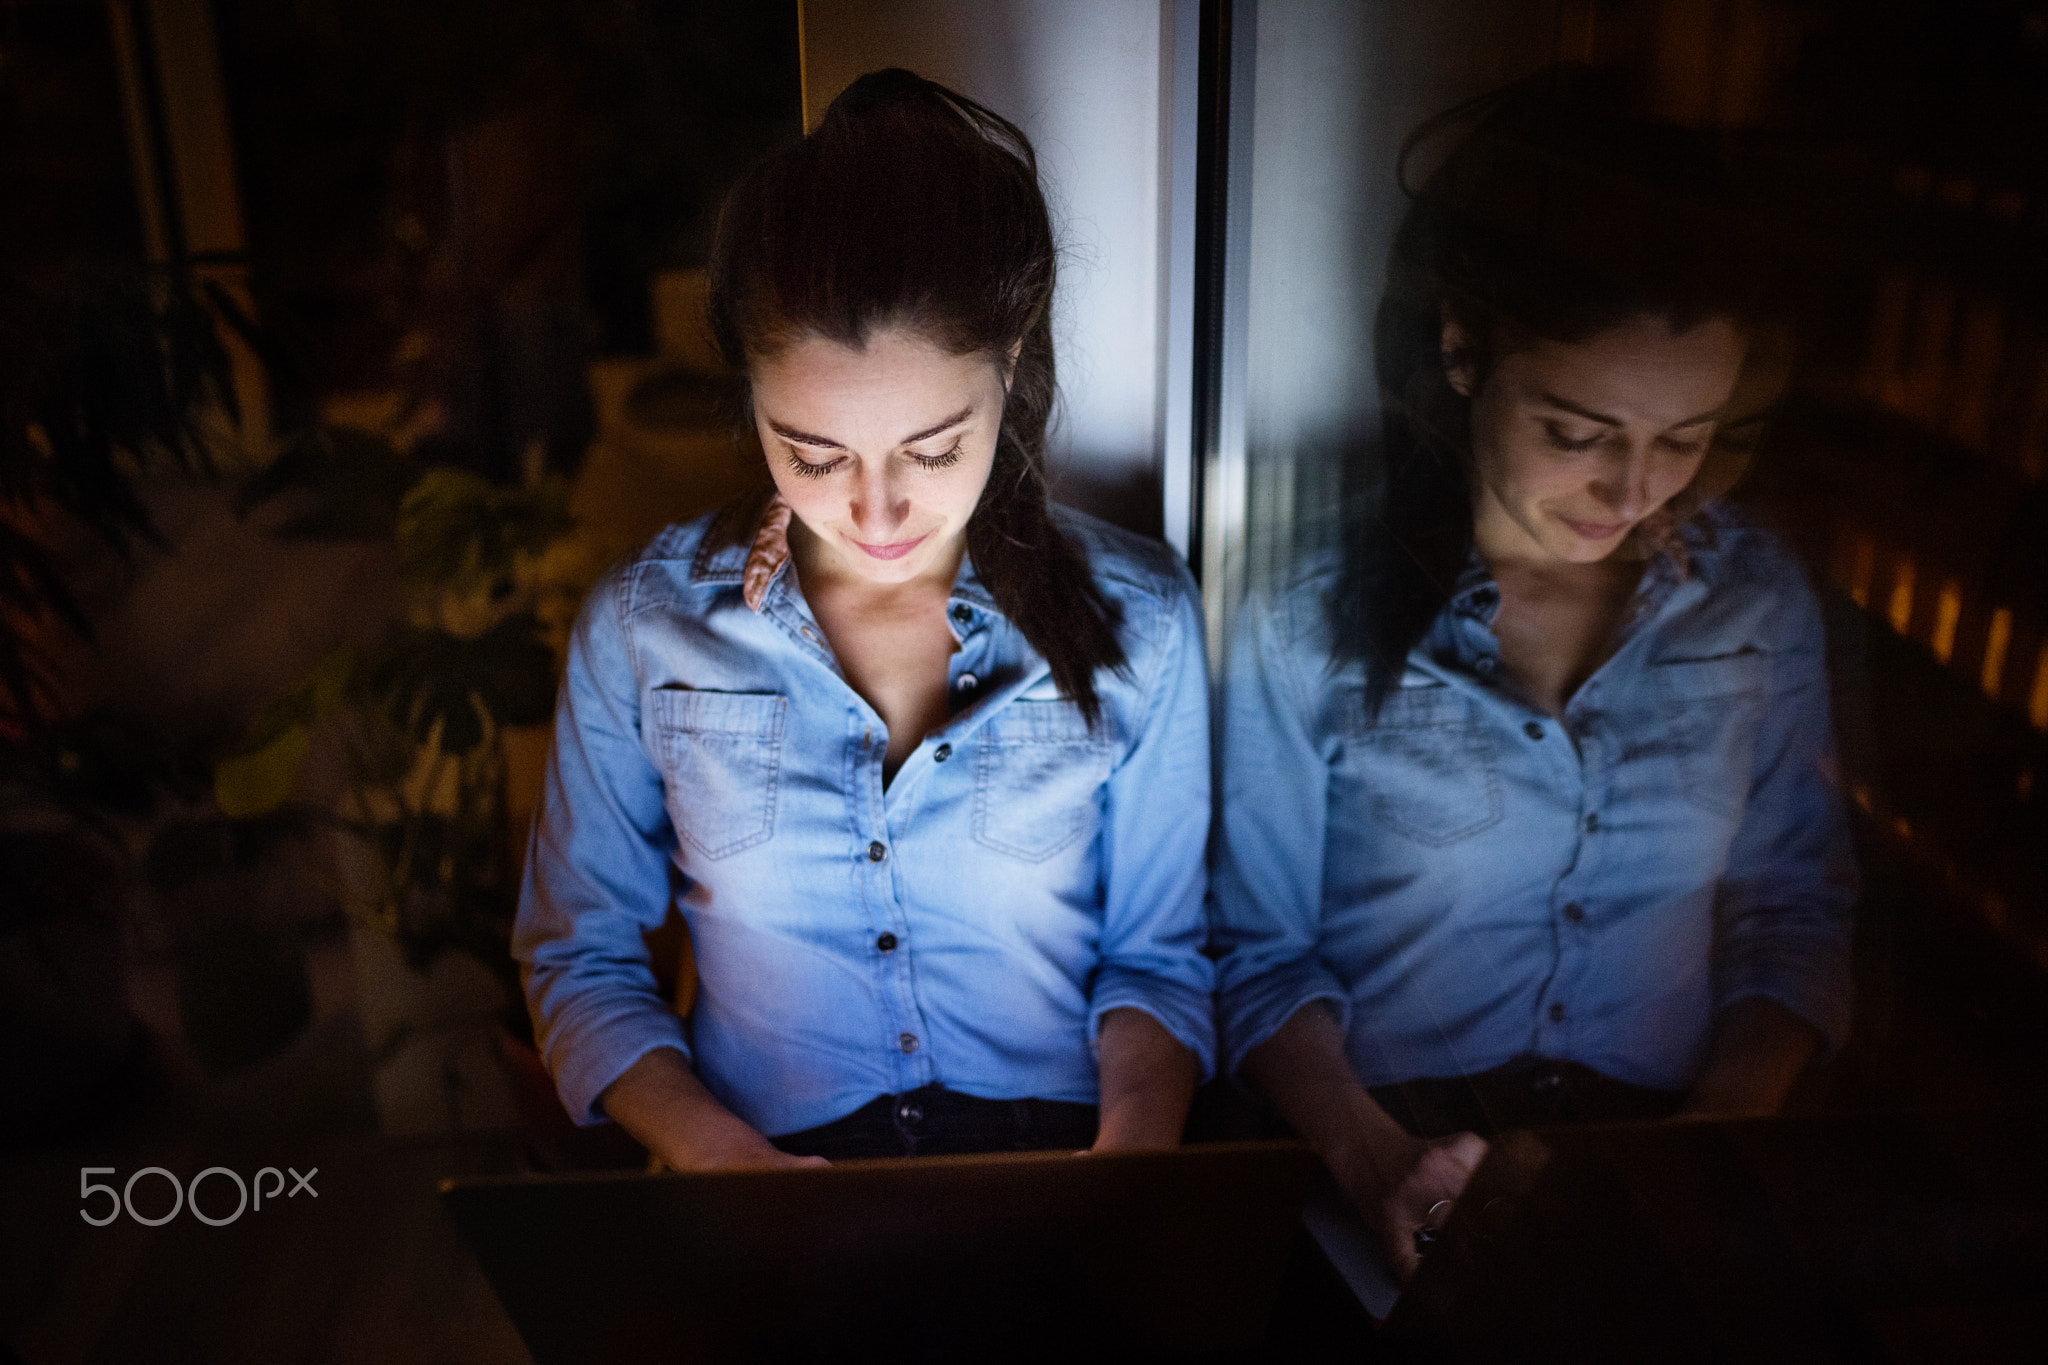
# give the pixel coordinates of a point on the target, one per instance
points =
(1429, 707)
(1726, 676)
(728, 713)
(1037, 722)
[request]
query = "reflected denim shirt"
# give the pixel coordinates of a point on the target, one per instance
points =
(1468, 880)
(968, 926)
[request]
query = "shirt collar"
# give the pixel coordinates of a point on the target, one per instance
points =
(769, 555)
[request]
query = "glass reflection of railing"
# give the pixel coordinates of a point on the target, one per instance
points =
(1962, 628)
(1959, 835)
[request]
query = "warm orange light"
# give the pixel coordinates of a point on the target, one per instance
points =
(1995, 645)
(1947, 611)
(2037, 704)
(1901, 612)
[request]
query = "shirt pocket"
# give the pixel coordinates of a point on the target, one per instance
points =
(1431, 770)
(1038, 779)
(1713, 709)
(721, 755)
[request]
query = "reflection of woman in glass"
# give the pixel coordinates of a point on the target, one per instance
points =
(930, 758)
(1530, 815)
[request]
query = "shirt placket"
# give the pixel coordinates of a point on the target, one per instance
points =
(903, 1040)
(892, 941)
(1577, 912)
(1566, 751)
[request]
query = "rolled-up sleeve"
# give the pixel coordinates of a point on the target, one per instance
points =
(1156, 830)
(1266, 892)
(597, 873)
(1784, 912)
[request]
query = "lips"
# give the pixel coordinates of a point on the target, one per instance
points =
(893, 550)
(1595, 530)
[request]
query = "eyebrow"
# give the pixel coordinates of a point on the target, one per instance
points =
(826, 443)
(1552, 400)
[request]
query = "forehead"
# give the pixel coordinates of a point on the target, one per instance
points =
(1640, 371)
(898, 374)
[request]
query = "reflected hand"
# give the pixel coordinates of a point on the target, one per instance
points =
(1437, 1177)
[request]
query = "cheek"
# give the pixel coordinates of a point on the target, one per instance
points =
(815, 501)
(955, 492)
(1525, 469)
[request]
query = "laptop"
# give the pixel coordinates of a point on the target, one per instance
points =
(948, 1257)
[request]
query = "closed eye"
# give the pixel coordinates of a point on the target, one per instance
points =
(809, 469)
(940, 461)
(1574, 444)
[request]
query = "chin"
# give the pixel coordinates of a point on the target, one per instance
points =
(898, 571)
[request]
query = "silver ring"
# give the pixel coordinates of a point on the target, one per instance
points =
(1430, 1216)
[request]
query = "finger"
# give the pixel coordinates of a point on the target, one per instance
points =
(1401, 1257)
(1467, 1150)
(1441, 1174)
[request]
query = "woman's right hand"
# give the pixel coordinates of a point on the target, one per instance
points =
(1400, 1192)
(660, 1101)
(1393, 1179)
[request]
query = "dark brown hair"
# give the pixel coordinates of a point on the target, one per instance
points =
(1558, 215)
(912, 206)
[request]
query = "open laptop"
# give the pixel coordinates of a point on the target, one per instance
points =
(967, 1257)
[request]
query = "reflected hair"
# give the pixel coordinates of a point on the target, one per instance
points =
(1557, 216)
(911, 206)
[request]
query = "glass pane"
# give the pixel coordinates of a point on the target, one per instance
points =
(1575, 832)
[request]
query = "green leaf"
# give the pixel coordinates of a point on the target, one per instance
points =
(318, 693)
(260, 781)
(457, 529)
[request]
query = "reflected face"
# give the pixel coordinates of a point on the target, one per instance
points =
(1574, 443)
(880, 452)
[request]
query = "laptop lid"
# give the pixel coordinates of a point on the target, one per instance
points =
(937, 1257)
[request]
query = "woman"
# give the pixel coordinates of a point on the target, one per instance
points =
(1530, 813)
(922, 762)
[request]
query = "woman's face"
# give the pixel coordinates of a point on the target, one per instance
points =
(1574, 443)
(881, 452)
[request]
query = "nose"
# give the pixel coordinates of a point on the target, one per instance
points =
(878, 509)
(1623, 485)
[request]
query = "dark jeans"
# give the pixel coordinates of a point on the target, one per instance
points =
(934, 1121)
(1530, 1092)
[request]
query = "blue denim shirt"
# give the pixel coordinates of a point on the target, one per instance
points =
(1469, 880)
(968, 926)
